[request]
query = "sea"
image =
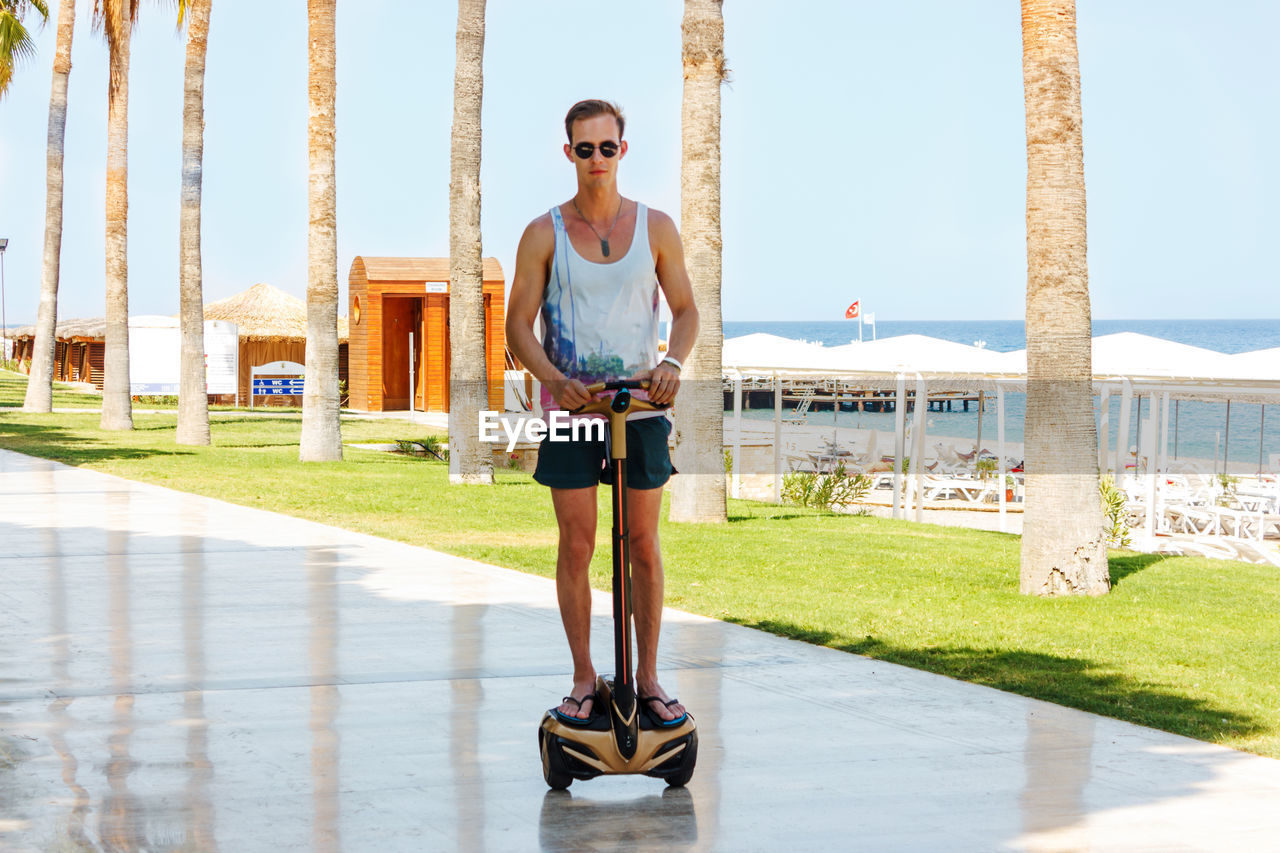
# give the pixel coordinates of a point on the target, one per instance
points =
(1199, 431)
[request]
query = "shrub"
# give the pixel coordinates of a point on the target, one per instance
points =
(432, 445)
(825, 491)
(1228, 484)
(1113, 508)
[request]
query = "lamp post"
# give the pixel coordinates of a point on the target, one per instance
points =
(4, 323)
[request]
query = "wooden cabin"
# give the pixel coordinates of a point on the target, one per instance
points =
(393, 298)
(271, 324)
(79, 349)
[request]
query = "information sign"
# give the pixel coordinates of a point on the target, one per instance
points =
(276, 378)
(221, 357)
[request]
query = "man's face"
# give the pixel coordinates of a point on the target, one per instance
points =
(596, 169)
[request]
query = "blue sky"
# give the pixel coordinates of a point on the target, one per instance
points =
(871, 150)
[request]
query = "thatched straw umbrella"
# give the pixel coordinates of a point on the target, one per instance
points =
(272, 326)
(263, 313)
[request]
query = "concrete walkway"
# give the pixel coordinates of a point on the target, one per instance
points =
(181, 673)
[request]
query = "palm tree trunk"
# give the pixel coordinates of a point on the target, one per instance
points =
(117, 404)
(470, 460)
(698, 494)
(321, 429)
(1063, 546)
(39, 396)
(193, 399)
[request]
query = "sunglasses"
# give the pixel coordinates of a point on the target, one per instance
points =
(584, 150)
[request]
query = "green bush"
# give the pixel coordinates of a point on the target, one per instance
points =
(836, 490)
(432, 445)
(1228, 484)
(1117, 515)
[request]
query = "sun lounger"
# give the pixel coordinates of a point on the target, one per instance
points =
(971, 491)
(1215, 549)
(1215, 520)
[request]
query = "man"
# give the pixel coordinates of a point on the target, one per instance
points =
(592, 267)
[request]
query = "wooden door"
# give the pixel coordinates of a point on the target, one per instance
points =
(397, 323)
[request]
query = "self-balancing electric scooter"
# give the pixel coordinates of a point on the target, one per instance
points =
(619, 737)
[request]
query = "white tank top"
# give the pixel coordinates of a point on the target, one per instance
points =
(600, 321)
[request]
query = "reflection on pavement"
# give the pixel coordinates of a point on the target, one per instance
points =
(467, 695)
(666, 821)
(60, 677)
(326, 700)
(199, 811)
(121, 824)
(1059, 765)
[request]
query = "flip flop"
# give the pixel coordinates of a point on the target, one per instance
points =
(578, 721)
(645, 700)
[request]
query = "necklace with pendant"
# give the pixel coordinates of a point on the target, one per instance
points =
(604, 241)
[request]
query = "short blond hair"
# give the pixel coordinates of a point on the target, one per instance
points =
(590, 109)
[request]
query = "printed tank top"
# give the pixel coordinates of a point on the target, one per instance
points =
(600, 321)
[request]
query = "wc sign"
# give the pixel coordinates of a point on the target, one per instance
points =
(276, 378)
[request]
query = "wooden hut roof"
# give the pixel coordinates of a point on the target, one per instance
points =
(266, 313)
(418, 269)
(90, 329)
(262, 313)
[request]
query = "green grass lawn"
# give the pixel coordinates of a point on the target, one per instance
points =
(1184, 644)
(13, 388)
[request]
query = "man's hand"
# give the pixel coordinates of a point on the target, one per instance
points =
(570, 394)
(664, 383)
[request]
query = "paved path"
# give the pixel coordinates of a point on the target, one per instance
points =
(181, 673)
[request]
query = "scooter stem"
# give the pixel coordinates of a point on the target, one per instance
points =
(623, 710)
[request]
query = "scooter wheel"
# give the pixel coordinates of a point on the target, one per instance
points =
(682, 776)
(556, 778)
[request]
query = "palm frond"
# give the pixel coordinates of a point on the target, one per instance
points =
(114, 18)
(16, 44)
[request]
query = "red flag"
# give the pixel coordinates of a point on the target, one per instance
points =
(851, 313)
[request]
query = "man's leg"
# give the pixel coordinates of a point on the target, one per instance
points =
(576, 518)
(643, 509)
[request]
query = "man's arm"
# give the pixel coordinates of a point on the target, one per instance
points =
(673, 278)
(533, 262)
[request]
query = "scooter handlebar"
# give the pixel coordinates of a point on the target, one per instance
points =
(619, 385)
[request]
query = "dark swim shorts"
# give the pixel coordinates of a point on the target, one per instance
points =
(583, 463)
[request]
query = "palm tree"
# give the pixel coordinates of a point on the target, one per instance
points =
(700, 496)
(15, 45)
(470, 461)
(193, 402)
(116, 18)
(1063, 546)
(321, 429)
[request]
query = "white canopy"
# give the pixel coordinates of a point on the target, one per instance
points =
(1183, 370)
(918, 354)
(761, 354)
(1263, 364)
(1134, 356)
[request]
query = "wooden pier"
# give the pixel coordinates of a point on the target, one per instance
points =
(824, 396)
